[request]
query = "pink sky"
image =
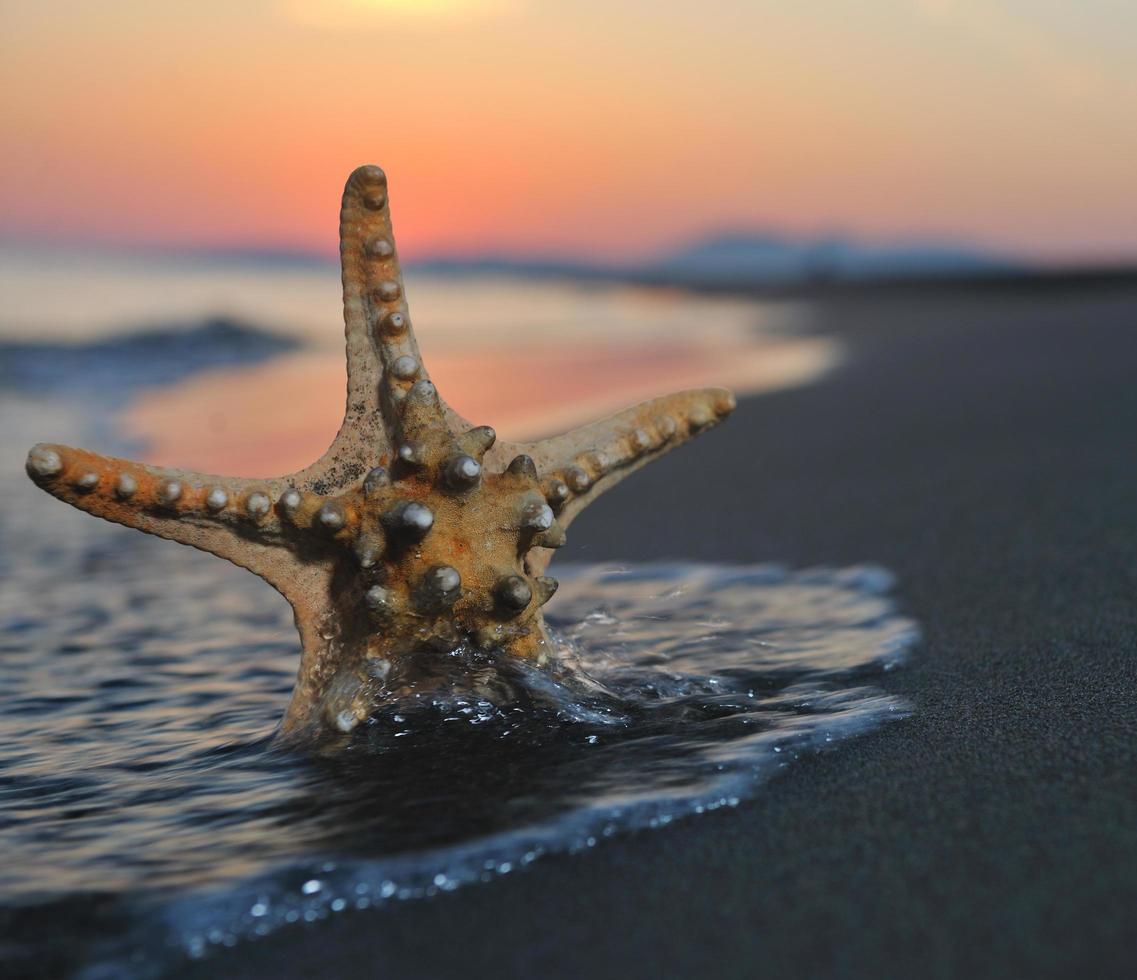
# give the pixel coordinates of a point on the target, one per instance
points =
(591, 129)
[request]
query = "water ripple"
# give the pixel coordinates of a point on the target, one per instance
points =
(135, 726)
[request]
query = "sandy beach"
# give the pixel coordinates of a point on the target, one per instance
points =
(980, 444)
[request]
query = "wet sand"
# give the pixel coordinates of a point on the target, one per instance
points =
(982, 445)
(279, 417)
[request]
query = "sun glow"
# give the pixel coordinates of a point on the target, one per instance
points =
(592, 128)
(354, 14)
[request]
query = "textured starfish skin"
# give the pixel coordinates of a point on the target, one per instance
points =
(415, 530)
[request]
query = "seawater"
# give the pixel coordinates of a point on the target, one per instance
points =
(149, 817)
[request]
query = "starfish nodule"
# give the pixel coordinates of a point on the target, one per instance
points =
(415, 530)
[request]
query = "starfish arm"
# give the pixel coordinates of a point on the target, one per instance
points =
(266, 526)
(578, 466)
(373, 306)
(383, 359)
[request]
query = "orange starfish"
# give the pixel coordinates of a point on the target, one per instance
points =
(415, 530)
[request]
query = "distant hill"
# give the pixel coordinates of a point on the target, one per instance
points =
(775, 259)
(737, 259)
(757, 259)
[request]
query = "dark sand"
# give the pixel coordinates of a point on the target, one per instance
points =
(983, 445)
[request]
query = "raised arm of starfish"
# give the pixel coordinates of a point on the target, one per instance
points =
(415, 530)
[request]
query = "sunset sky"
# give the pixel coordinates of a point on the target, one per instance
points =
(589, 128)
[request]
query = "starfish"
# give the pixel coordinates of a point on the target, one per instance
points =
(416, 530)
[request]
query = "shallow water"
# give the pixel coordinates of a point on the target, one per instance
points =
(148, 817)
(135, 715)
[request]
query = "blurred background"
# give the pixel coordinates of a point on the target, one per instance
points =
(627, 197)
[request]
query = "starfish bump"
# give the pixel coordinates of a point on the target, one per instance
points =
(415, 530)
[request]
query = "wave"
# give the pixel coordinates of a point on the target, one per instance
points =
(113, 368)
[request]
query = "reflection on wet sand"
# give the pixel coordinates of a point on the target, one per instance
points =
(274, 418)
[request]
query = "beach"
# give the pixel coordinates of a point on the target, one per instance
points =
(348, 297)
(335, 643)
(979, 443)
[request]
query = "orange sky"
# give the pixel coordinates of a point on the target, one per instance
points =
(590, 128)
